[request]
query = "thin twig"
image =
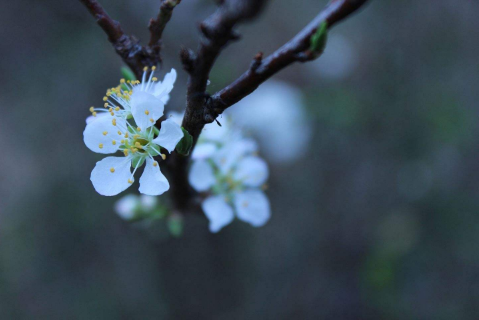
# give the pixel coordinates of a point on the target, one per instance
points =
(128, 47)
(157, 26)
(296, 50)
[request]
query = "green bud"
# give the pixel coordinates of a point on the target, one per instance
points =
(319, 39)
(138, 161)
(185, 144)
(175, 225)
(127, 74)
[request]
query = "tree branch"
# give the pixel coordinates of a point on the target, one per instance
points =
(217, 31)
(296, 50)
(128, 47)
(157, 26)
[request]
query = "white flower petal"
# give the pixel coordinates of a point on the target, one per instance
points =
(218, 212)
(162, 89)
(169, 136)
(228, 156)
(108, 183)
(204, 150)
(214, 132)
(145, 108)
(100, 133)
(126, 206)
(252, 171)
(92, 118)
(152, 181)
(201, 176)
(252, 206)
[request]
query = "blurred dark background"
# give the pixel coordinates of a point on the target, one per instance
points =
(379, 220)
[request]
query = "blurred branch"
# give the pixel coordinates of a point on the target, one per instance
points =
(297, 49)
(127, 47)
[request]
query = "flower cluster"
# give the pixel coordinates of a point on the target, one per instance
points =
(227, 168)
(126, 123)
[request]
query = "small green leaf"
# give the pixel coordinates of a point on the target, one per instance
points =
(127, 74)
(137, 162)
(319, 39)
(185, 144)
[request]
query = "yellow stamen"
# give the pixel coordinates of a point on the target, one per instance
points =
(113, 122)
(119, 132)
(112, 170)
(155, 164)
(145, 69)
(125, 152)
(122, 80)
(113, 142)
(146, 112)
(106, 105)
(100, 146)
(163, 156)
(138, 145)
(105, 133)
(153, 68)
(94, 114)
(129, 181)
(151, 120)
(126, 135)
(138, 128)
(122, 141)
(105, 98)
(136, 136)
(92, 109)
(117, 109)
(154, 79)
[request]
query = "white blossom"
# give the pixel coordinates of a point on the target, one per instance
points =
(276, 116)
(233, 176)
(111, 131)
(127, 206)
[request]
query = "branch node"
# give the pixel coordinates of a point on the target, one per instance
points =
(257, 60)
(188, 59)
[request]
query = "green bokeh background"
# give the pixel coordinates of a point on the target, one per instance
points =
(379, 221)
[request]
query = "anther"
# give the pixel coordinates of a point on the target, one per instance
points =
(126, 135)
(105, 133)
(155, 164)
(129, 181)
(138, 128)
(113, 142)
(119, 132)
(92, 109)
(151, 120)
(125, 152)
(145, 69)
(113, 122)
(153, 68)
(146, 112)
(122, 80)
(100, 146)
(112, 170)
(94, 114)
(163, 156)
(105, 98)
(138, 145)
(117, 109)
